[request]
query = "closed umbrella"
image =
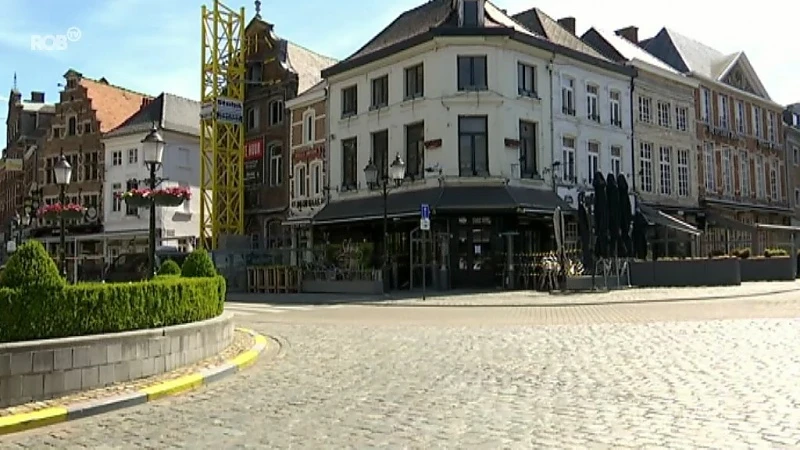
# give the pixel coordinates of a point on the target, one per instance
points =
(584, 231)
(625, 215)
(612, 196)
(640, 235)
(600, 216)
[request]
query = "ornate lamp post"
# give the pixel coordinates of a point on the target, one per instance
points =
(63, 173)
(395, 173)
(153, 150)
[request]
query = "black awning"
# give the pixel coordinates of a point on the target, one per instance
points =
(721, 221)
(538, 200)
(399, 204)
(657, 217)
(780, 209)
(469, 198)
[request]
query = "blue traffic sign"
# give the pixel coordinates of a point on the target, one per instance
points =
(425, 211)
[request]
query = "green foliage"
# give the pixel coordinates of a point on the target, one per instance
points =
(775, 252)
(198, 264)
(742, 253)
(169, 267)
(93, 308)
(31, 268)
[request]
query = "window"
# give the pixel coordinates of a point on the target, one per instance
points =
(727, 171)
(526, 80)
(254, 73)
(87, 127)
(771, 127)
(133, 156)
(761, 183)
(91, 171)
(773, 181)
(796, 153)
(665, 169)
(380, 92)
(316, 179)
(724, 111)
(683, 172)
(48, 171)
(616, 110)
(473, 150)
(705, 106)
(252, 119)
(757, 122)
(568, 96)
(380, 152)
(593, 150)
(740, 117)
(72, 126)
(680, 118)
(349, 164)
(300, 182)
(568, 159)
(796, 197)
(415, 82)
(527, 149)
(116, 197)
(470, 15)
(709, 168)
(591, 103)
(645, 109)
(663, 110)
(116, 158)
(131, 210)
(646, 166)
(744, 174)
(415, 150)
(349, 101)
(309, 127)
(616, 160)
(275, 112)
(472, 73)
(275, 165)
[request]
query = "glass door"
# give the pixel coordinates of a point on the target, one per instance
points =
(473, 256)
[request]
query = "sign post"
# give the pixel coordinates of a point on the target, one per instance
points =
(424, 226)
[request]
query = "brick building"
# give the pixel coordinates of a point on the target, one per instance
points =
(86, 109)
(741, 159)
(791, 128)
(277, 70)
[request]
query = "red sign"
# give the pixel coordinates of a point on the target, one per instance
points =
(308, 154)
(254, 150)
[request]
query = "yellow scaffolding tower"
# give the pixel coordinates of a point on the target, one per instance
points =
(221, 124)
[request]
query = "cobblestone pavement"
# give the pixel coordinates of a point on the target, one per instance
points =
(661, 375)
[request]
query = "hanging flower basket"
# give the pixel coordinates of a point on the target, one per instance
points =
(172, 196)
(137, 198)
(70, 211)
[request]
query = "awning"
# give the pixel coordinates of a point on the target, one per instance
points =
(721, 221)
(296, 221)
(783, 209)
(538, 201)
(500, 198)
(405, 203)
(657, 217)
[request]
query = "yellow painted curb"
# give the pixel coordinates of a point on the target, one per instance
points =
(246, 359)
(173, 387)
(35, 419)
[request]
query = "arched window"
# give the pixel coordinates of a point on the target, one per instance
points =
(275, 112)
(274, 170)
(308, 127)
(72, 126)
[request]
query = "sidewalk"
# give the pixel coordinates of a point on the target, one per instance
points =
(531, 298)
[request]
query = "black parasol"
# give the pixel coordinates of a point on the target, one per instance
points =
(625, 216)
(600, 216)
(584, 231)
(612, 195)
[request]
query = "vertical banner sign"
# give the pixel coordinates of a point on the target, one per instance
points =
(253, 162)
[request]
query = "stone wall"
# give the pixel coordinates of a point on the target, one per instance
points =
(37, 370)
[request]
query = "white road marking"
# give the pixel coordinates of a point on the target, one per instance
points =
(249, 309)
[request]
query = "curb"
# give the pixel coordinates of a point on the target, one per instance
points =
(58, 414)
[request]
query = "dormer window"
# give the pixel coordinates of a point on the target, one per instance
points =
(470, 13)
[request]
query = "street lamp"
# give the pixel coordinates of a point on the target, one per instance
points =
(153, 150)
(396, 173)
(63, 173)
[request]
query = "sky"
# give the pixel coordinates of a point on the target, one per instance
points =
(153, 46)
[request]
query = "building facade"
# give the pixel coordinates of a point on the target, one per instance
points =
(126, 229)
(665, 138)
(87, 108)
(309, 165)
(791, 128)
(277, 70)
(465, 99)
(742, 162)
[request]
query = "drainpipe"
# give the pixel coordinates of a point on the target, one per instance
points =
(633, 140)
(552, 123)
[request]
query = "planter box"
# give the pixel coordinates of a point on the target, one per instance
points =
(342, 287)
(686, 272)
(767, 269)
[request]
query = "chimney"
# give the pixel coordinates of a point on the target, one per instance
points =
(568, 23)
(37, 97)
(146, 101)
(629, 33)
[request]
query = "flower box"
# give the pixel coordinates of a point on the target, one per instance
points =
(172, 196)
(56, 211)
(137, 198)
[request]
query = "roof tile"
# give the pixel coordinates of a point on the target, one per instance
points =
(112, 104)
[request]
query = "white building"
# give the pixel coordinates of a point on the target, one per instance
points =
(465, 98)
(126, 229)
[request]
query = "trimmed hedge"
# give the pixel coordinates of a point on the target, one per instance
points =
(198, 264)
(169, 267)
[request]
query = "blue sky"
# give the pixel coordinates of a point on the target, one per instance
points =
(153, 46)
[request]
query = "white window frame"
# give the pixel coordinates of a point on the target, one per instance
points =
(593, 102)
(526, 79)
(709, 167)
(683, 172)
(774, 184)
(646, 166)
(771, 135)
(116, 158)
(275, 175)
(705, 105)
(796, 155)
(309, 126)
(744, 174)
(724, 113)
(253, 118)
(681, 122)
(568, 159)
(757, 122)
(615, 98)
(645, 109)
(616, 159)
(133, 156)
(665, 169)
(593, 159)
(663, 110)
(761, 182)
(276, 112)
(568, 96)
(316, 179)
(727, 171)
(740, 127)
(301, 181)
(116, 193)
